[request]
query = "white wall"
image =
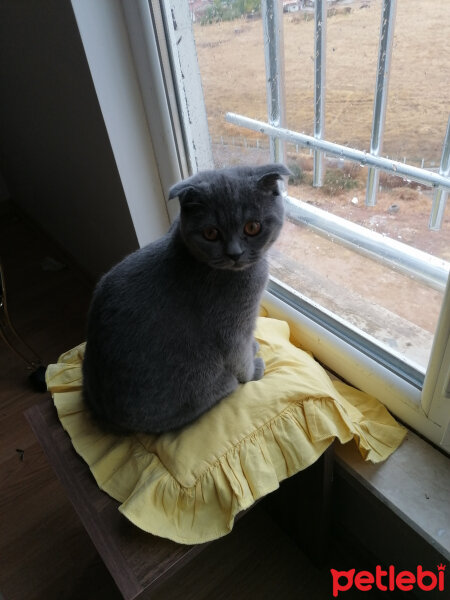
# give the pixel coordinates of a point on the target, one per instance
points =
(107, 47)
(55, 153)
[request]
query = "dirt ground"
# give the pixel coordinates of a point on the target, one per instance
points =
(392, 307)
(402, 211)
(231, 59)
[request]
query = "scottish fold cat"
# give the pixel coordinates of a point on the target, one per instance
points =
(170, 328)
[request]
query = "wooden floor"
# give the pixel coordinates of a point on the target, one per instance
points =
(44, 551)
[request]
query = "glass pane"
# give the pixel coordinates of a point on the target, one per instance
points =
(419, 103)
(352, 54)
(231, 59)
(396, 309)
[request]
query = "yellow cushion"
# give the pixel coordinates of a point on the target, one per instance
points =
(188, 486)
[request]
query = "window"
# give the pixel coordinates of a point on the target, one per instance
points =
(364, 253)
(363, 286)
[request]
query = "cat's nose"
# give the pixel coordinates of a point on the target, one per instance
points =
(235, 255)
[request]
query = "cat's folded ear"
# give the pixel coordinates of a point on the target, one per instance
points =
(189, 192)
(181, 189)
(269, 175)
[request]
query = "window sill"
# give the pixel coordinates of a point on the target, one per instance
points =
(414, 483)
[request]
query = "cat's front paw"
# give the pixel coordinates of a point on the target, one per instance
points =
(259, 369)
(255, 347)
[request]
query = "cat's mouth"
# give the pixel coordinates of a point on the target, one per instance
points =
(230, 264)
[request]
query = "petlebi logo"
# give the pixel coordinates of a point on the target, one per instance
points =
(389, 579)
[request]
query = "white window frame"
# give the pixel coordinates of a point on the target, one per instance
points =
(171, 141)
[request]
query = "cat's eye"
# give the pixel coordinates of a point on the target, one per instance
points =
(252, 228)
(211, 234)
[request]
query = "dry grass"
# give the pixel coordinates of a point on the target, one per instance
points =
(231, 61)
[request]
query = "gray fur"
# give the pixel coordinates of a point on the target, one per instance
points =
(170, 329)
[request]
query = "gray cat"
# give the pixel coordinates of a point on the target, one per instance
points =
(170, 328)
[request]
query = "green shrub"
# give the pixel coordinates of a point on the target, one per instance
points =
(337, 181)
(297, 174)
(228, 10)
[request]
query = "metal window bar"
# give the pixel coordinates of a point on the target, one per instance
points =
(440, 195)
(422, 266)
(272, 15)
(320, 17)
(274, 56)
(381, 94)
(366, 241)
(365, 159)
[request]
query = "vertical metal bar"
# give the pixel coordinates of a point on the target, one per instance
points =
(272, 13)
(440, 195)
(319, 86)
(381, 93)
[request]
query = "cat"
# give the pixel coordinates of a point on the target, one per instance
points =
(170, 328)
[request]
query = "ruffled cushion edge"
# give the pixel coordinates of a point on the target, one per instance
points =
(155, 501)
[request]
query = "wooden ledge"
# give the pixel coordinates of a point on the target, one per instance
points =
(137, 561)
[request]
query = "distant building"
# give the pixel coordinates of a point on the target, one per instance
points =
(290, 6)
(197, 8)
(311, 3)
